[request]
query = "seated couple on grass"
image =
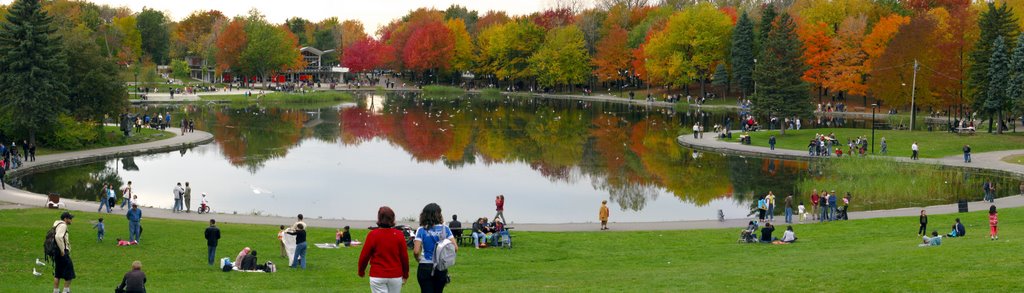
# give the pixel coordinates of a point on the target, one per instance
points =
(958, 230)
(766, 235)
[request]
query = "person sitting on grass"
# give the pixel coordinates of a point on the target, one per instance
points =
(750, 233)
(935, 240)
(134, 281)
(958, 230)
(766, 233)
(248, 262)
(344, 237)
(787, 237)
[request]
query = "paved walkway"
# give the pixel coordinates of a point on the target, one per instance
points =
(985, 160)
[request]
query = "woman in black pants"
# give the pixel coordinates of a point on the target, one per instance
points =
(924, 224)
(430, 233)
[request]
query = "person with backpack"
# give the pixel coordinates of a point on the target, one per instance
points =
(58, 248)
(434, 248)
(385, 252)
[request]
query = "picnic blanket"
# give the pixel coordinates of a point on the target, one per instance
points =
(326, 245)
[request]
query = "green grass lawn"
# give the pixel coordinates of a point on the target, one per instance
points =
(112, 137)
(935, 144)
(861, 255)
(1015, 159)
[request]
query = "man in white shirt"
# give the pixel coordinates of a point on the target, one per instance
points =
(913, 147)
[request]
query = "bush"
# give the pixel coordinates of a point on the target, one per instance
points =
(70, 134)
(442, 90)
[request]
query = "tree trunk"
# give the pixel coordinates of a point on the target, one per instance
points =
(990, 123)
(999, 126)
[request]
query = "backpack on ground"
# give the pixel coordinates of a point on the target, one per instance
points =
(50, 249)
(444, 253)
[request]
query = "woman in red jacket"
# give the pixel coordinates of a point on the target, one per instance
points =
(386, 253)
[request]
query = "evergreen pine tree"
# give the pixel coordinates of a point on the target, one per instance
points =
(742, 55)
(999, 79)
(780, 90)
(994, 23)
(32, 68)
(721, 78)
(1015, 90)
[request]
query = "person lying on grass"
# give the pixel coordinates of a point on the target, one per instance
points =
(935, 240)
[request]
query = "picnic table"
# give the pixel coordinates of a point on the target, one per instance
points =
(466, 237)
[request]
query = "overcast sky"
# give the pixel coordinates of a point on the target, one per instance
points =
(373, 13)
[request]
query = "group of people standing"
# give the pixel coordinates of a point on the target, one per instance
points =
(182, 198)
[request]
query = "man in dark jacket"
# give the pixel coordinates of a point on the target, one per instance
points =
(212, 235)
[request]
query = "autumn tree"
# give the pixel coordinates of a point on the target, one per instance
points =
(613, 55)
(562, 59)
(742, 54)
(780, 90)
(462, 45)
(230, 44)
(817, 54)
(504, 50)
(848, 70)
(127, 40)
(429, 47)
(270, 49)
(955, 40)
(892, 74)
(366, 54)
(689, 46)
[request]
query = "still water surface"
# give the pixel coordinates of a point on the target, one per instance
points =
(554, 160)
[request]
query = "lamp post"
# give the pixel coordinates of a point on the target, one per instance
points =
(754, 80)
(913, 92)
(873, 107)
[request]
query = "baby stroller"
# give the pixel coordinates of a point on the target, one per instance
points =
(842, 213)
(409, 233)
(749, 235)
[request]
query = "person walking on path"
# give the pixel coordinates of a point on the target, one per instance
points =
(989, 189)
(967, 153)
(885, 147)
(789, 209)
(924, 224)
(913, 147)
(771, 142)
(103, 198)
(187, 197)
(63, 267)
(134, 223)
(127, 194)
(696, 130)
(212, 235)
(134, 281)
(178, 191)
(431, 232)
(993, 223)
(300, 245)
(499, 203)
(770, 200)
(602, 215)
(385, 253)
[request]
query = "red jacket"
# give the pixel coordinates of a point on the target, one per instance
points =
(500, 203)
(386, 253)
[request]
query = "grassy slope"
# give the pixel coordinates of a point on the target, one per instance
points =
(1018, 159)
(147, 135)
(933, 144)
(869, 255)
